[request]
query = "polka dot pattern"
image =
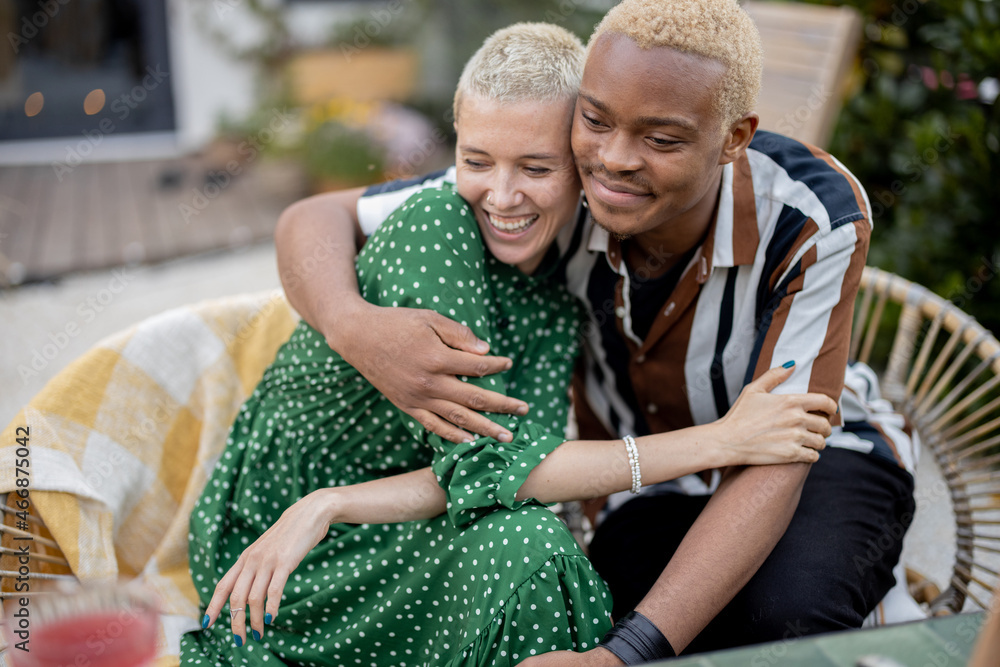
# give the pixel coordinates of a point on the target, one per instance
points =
(494, 580)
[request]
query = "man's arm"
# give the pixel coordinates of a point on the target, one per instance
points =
(752, 507)
(410, 356)
(724, 548)
(317, 240)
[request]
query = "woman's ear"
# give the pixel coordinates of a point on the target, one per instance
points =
(738, 137)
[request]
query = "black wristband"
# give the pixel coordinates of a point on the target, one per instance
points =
(635, 640)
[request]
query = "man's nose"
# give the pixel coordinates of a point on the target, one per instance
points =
(617, 153)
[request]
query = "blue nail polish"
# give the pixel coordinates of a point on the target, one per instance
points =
(267, 619)
(204, 622)
(788, 364)
(238, 640)
(256, 636)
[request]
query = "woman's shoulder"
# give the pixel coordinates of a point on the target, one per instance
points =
(437, 216)
(440, 205)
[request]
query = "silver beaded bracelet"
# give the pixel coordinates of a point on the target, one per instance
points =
(633, 461)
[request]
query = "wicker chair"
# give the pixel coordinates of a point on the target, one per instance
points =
(179, 376)
(938, 366)
(941, 369)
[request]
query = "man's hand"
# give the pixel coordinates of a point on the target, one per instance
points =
(413, 356)
(598, 657)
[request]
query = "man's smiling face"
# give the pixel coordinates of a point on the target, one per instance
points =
(647, 137)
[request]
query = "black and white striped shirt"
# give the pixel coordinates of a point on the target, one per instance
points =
(773, 281)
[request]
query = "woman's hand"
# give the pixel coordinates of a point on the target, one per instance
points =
(766, 429)
(263, 568)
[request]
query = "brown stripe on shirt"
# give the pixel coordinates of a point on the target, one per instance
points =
(659, 380)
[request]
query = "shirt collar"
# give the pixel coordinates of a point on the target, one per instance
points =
(735, 236)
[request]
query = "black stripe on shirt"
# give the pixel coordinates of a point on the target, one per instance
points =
(601, 287)
(788, 226)
(833, 188)
(399, 184)
(718, 373)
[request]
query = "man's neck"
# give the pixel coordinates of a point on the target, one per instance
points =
(662, 247)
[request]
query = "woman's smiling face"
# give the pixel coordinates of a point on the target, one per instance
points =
(516, 170)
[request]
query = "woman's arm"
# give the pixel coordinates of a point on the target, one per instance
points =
(761, 428)
(420, 351)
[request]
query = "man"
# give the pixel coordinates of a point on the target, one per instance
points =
(709, 253)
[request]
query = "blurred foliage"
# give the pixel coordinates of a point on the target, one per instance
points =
(922, 132)
(471, 23)
(337, 155)
(920, 128)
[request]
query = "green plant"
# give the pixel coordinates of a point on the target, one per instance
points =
(925, 143)
(335, 152)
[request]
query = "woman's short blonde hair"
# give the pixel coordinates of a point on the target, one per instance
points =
(719, 30)
(524, 61)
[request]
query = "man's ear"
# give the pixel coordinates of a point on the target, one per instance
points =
(738, 138)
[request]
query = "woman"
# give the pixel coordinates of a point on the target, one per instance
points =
(467, 567)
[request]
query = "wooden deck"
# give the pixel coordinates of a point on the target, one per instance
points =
(101, 215)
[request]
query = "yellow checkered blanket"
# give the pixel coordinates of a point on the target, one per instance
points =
(122, 441)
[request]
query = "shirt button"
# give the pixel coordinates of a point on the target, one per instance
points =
(641, 358)
(652, 409)
(620, 311)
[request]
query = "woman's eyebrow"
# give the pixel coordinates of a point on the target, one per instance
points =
(530, 156)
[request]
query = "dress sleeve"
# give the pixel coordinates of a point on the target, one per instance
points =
(429, 254)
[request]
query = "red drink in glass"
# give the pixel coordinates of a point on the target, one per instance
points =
(116, 629)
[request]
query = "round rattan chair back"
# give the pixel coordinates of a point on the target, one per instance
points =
(941, 369)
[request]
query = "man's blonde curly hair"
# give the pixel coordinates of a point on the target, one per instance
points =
(524, 61)
(719, 30)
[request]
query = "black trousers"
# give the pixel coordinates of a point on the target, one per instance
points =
(830, 569)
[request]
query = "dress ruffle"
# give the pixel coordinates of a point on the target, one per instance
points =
(526, 628)
(485, 474)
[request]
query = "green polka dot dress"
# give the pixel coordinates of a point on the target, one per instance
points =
(494, 580)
